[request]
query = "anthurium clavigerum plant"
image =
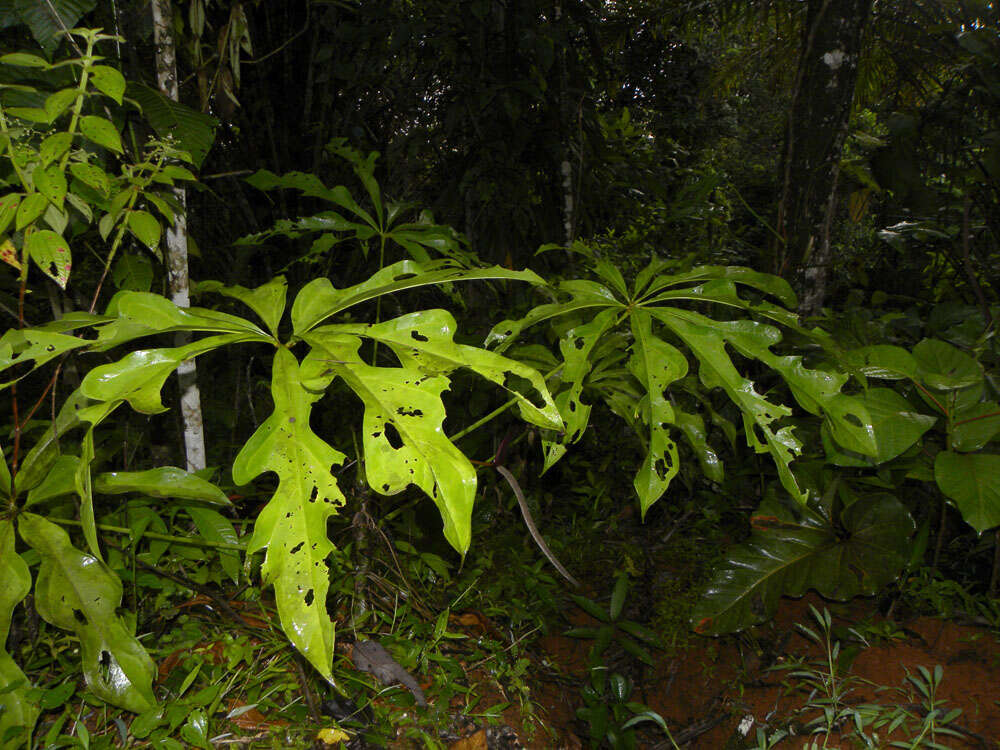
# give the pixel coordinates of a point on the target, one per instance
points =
(403, 444)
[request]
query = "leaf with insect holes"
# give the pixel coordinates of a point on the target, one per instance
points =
(655, 364)
(54, 146)
(21, 345)
(51, 253)
(292, 526)
(79, 593)
(404, 442)
(51, 182)
(92, 176)
(30, 209)
(8, 209)
(8, 254)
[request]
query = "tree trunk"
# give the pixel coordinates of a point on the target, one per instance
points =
(177, 258)
(817, 126)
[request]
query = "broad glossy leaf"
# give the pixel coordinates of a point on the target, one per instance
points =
(319, 300)
(15, 579)
(16, 710)
(165, 481)
(656, 365)
(764, 282)
(139, 376)
(403, 439)
(40, 459)
(60, 481)
(292, 527)
(795, 548)
(972, 480)
(895, 423)
(945, 367)
(51, 253)
(20, 346)
(976, 426)
(885, 362)
(423, 342)
(79, 593)
(141, 314)
(268, 300)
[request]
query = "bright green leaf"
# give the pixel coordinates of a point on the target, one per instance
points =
(30, 209)
(895, 423)
(145, 227)
(402, 432)
(292, 526)
(163, 481)
(77, 592)
(108, 81)
(57, 102)
(92, 176)
(656, 365)
(268, 300)
(139, 376)
(51, 182)
(972, 480)
(16, 708)
(101, 132)
(54, 146)
(60, 481)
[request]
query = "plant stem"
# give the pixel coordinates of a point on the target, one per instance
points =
(160, 537)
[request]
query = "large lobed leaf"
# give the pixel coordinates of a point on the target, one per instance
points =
(77, 592)
(402, 434)
(794, 548)
(292, 526)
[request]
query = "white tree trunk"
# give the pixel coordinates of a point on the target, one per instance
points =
(177, 258)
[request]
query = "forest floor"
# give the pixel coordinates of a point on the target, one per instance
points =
(711, 689)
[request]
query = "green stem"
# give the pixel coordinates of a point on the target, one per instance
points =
(495, 413)
(160, 537)
(81, 94)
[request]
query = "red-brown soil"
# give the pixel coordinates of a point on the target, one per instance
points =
(727, 680)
